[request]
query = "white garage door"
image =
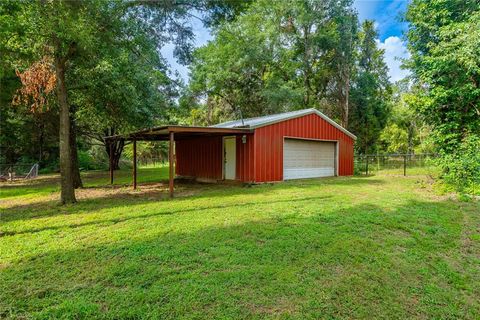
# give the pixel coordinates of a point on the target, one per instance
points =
(308, 159)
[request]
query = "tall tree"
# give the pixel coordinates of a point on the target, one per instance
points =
(68, 30)
(61, 29)
(277, 56)
(345, 60)
(444, 42)
(371, 91)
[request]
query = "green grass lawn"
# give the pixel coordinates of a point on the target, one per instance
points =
(362, 247)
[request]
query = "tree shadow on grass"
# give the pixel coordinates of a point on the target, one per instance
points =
(8, 190)
(51, 182)
(162, 213)
(402, 263)
(184, 192)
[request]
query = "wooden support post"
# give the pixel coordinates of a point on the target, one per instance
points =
(111, 161)
(366, 166)
(134, 164)
(170, 164)
(404, 165)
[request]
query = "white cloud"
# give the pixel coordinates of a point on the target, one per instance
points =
(395, 50)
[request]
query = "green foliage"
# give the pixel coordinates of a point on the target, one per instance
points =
(148, 152)
(88, 161)
(405, 131)
(462, 168)
(371, 92)
(277, 56)
(395, 138)
(444, 42)
(12, 35)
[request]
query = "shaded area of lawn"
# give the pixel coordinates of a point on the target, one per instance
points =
(48, 184)
(326, 248)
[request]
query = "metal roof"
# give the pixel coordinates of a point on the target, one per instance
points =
(163, 133)
(258, 122)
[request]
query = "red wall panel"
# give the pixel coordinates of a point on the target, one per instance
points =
(268, 146)
(245, 158)
(199, 157)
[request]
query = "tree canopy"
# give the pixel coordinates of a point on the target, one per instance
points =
(105, 60)
(444, 41)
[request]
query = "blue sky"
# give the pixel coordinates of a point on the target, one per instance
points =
(386, 13)
(388, 17)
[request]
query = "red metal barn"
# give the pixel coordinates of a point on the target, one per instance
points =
(292, 145)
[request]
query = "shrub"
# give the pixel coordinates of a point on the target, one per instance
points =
(461, 169)
(51, 166)
(88, 160)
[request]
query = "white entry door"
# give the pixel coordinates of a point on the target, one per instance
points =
(230, 157)
(308, 159)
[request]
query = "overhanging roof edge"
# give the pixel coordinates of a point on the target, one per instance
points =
(177, 129)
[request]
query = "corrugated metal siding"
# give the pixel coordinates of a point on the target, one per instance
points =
(245, 159)
(199, 157)
(268, 145)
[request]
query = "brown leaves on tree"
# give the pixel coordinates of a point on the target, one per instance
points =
(38, 81)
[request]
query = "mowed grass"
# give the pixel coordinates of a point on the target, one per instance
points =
(361, 247)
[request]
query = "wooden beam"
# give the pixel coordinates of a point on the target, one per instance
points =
(208, 130)
(162, 133)
(111, 162)
(134, 164)
(170, 164)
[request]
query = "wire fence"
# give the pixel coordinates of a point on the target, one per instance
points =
(386, 164)
(11, 172)
(395, 164)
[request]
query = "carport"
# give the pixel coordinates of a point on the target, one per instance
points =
(171, 133)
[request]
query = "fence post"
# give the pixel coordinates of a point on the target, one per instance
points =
(134, 164)
(405, 165)
(366, 166)
(111, 161)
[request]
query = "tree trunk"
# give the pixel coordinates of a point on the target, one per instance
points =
(117, 149)
(117, 153)
(67, 194)
(306, 66)
(366, 138)
(41, 142)
(77, 180)
(344, 94)
(346, 105)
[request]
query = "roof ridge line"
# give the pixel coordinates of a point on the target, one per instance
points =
(279, 117)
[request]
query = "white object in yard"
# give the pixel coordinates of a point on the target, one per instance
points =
(33, 173)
